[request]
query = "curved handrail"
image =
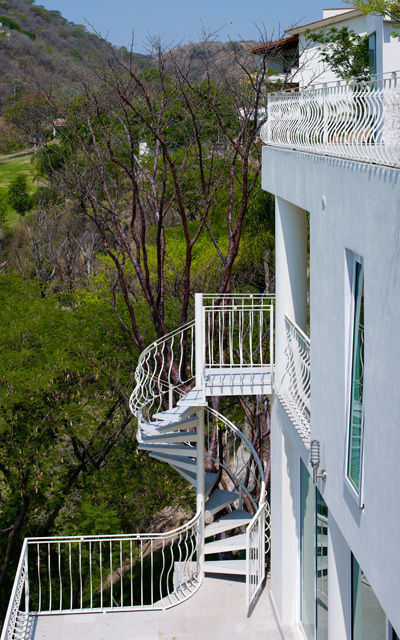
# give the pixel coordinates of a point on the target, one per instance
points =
(97, 573)
(163, 368)
(227, 423)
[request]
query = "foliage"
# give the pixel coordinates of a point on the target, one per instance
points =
(12, 24)
(66, 434)
(343, 50)
(18, 195)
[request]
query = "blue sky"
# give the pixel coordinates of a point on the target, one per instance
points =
(180, 20)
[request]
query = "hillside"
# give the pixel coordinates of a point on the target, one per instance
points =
(42, 48)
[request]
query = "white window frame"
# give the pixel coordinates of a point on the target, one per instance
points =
(352, 259)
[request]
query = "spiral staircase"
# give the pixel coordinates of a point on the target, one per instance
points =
(227, 350)
(230, 342)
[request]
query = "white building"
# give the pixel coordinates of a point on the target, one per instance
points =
(332, 159)
(384, 47)
(327, 355)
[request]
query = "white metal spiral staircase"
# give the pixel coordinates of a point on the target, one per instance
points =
(231, 344)
(226, 350)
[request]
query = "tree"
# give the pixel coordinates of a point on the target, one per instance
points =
(18, 195)
(343, 50)
(202, 174)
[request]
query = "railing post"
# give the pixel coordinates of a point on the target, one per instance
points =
(200, 488)
(200, 337)
(325, 114)
(26, 580)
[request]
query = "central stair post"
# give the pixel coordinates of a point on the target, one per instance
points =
(200, 488)
(200, 365)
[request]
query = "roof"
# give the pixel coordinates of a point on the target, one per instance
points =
(324, 22)
(283, 43)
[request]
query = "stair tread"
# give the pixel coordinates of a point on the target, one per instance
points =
(190, 476)
(237, 518)
(234, 543)
(180, 449)
(194, 398)
(174, 436)
(176, 461)
(219, 499)
(237, 567)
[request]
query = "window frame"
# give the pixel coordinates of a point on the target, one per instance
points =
(353, 260)
(374, 72)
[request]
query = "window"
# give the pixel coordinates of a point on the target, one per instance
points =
(368, 617)
(307, 566)
(372, 53)
(356, 411)
(322, 568)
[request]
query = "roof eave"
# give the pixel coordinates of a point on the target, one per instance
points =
(325, 22)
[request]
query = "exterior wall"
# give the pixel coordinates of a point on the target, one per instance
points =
(353, 206)
(313, 70)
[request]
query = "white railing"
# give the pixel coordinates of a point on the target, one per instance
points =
(230, 450)
(292, 380)
(16, 621)
(163, 373)
(257, 545)
(354, 119)
(82, 574)
(239, 331)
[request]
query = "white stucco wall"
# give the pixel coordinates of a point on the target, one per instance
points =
(313, 70)
(362, 214)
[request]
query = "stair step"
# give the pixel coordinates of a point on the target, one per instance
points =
(178, 412)
(209, 478)
(193, 421)
(194, 398)
(171, 449)
(234, 543)
(175, 436)
(238, 518)
(175, 461)
(233, 567)
(219, 500)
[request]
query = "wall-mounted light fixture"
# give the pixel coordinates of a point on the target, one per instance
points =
(315, 459)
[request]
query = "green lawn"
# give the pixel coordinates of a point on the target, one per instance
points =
(10, 167)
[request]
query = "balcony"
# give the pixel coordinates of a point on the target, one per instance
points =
(226, 349)
(357, 120)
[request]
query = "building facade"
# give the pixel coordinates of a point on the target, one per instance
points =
(335, 502)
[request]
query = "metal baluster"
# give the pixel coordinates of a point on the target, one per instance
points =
(80, 573)
(49, 574)
(70, 577)
(39, 580)
(60, 574)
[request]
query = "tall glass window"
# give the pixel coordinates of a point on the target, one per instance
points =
(369, 620)
(322, 568)
(372, 53)
(357, 382)
(307, 537)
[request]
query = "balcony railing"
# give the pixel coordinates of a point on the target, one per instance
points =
(359, 120)
(292, 380)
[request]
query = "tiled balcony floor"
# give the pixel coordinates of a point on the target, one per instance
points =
(216, 612)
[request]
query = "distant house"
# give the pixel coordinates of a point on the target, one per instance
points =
(4, 33)
(297, 60)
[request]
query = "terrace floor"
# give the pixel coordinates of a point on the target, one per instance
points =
(216, 612)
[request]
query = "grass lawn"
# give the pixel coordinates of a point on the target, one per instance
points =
(10, 167)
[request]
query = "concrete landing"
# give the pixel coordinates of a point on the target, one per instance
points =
(216, 612)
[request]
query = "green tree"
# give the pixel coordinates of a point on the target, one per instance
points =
(343, 50)
(18, 195)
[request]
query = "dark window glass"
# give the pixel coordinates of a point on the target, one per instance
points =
(357, 382)
(307, 566)
(372, 53)
(322, 568)
(369, 620)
